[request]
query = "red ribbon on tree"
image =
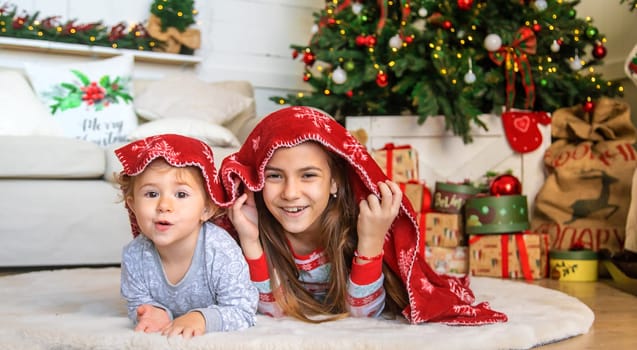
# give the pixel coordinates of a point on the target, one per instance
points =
(515, 60)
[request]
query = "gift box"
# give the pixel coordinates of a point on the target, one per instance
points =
(496, 214)
(573, 265)
(418, 194)
(448, 260)
(451, 198)
(442, 229)
(517, 255)
(399, 163)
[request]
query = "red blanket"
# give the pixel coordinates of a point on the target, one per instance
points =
(433, 297)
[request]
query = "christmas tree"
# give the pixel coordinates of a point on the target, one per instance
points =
(456, 58)
(174, 13)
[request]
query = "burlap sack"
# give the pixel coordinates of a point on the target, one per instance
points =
(585, 198)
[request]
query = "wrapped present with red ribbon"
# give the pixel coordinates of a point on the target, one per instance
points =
(418, 194)
(442, 229)
(400, 163)
(516, 255)
(448, 260)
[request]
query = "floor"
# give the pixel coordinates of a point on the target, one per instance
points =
(615, 325)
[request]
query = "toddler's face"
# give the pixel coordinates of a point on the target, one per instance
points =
(170, 203)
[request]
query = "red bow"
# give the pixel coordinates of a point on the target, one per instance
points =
(516, 60)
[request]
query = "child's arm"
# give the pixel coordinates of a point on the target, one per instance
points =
(365, 291)
(261, 279)
(143, 310)
(189, 325)
(235, 297)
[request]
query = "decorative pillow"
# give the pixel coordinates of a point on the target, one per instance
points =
(22, 113)
(212, 134)
(186, 96)
(90, 101)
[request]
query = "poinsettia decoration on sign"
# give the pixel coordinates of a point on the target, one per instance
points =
(97, 95)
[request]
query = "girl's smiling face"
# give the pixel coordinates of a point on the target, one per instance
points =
(298, 185)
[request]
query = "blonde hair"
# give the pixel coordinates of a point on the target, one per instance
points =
(340, 239)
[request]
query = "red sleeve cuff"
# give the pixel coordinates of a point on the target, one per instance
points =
(363, 274)
(258, 269)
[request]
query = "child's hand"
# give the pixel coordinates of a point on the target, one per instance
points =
(189, 325)
(151, 319)
(376, 216)
(243, 215)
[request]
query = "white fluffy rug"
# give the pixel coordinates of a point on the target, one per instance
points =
(81, 309)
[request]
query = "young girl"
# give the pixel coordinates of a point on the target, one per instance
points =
(181, 275)
(326, 234)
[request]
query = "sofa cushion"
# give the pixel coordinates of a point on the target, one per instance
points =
(90, 100)
(52, 157)
(22, 112)
(186, 96)
(212, 134)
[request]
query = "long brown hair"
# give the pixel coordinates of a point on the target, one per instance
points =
(340, 239)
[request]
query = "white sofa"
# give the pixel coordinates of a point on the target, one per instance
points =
(59, 205)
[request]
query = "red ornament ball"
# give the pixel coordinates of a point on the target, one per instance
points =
(446, 24)
(295, 54)
(370, 41)
(408, 39)
(504, 185)
(589, 106)
(361, 40)
(599, 51)
(465, 5)
(349, 93)
(381, 79)
(309, 58)
(537, 27)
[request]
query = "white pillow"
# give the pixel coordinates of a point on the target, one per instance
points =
(22, 113)
(90, 101)
(186, 96)
(212, 134)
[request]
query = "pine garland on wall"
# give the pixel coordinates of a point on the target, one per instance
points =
(20, 24)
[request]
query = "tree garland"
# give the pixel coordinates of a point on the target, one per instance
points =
(16, 24)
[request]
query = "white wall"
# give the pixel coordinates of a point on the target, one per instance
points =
(249, 39)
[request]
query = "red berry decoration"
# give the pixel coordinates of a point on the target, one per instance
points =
(465, 5)
(599, 51)
(381, 79)
(588, 106)
(505, 185)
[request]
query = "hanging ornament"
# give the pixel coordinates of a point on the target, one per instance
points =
(295, 54)
(588, 106)
(541, 5)
(555, 46)
(470, 77)
(599, 51)
(381, 79)
(339, 76)
(307, 76)
(349, 93)
(357, 7)
(572, 13)
(591, 32)
(492, 42)
(361, 40)
(309, 58)
(446, 24)
(314, 29)
(505, 185)
(395, 42)
(536, 27)
(349, 66)
(576, 62)
(465, 5)
(422, 12)
(409, 39)
(521, 128)
(370, 41)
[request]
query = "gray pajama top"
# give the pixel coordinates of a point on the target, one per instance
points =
(217, 284)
